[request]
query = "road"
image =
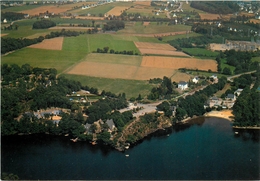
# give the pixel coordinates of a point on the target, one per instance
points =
(238, 75)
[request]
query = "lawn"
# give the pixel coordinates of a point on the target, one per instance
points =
(132, 88)
(200, 52)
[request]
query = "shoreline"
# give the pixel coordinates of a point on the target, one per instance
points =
(225, 114)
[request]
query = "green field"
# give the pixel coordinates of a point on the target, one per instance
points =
(94, 10)
(132, 88)
(108, 40)
(189, 35)
(153, 28)
(59, 60)
(256, 59)
(224, 64)
(20, 8)
(200, 52)
(114, 59)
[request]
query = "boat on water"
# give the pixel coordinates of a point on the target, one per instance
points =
(236, 132)
(127, 155)
(126, 147)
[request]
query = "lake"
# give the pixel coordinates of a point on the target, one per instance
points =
(206, 148)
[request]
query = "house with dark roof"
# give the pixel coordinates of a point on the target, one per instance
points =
(87, 126)
(183, 85)
(231, 97)
(111, 125)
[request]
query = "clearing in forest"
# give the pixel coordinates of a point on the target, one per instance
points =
(50, 44)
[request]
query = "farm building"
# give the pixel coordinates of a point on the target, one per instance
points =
(183, 85)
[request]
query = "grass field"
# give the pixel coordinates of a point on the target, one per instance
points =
(59, 60)
(224, 64)
(200, 52)
(187, 7)
(25, 31)
(152, 29)
(114, 59)
(256, 59)
(132, 88)
(108, 40)
(189, 35)
(73, 50)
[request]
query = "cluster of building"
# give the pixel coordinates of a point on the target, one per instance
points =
(227, 102)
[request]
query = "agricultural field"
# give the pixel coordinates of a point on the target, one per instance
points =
(50, 8)
(49, 44)
(155, 30)
(109, 40)
(158, 48)
(73, 50)
(176, 63)
(137, 67)
(117, 11)
(207, 16)
(200, 52)
(132, 88)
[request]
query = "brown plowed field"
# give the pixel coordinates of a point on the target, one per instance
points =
(117, 11)
(157, 46)
(176, 63)
(119, 71)
(50, 44)
(145, 3)
(209, 16)
(162, 52)
(51, 9)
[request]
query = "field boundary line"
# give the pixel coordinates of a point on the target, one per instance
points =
(72, 66)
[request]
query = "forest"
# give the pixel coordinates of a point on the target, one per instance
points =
(11, 16)
(216, 7)
(43, 24)
(247, 106)
(114, 25)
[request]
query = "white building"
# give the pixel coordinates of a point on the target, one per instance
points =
(183, 85)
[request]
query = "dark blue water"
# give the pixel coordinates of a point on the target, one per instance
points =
(205, 149)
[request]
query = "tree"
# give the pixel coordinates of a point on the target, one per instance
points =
(227, 71)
